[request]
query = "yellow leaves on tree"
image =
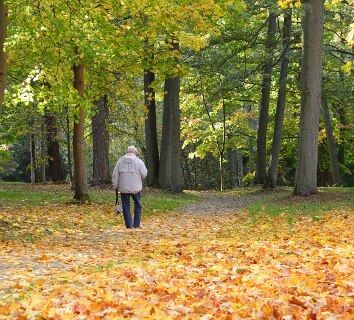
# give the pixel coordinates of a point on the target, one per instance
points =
(289, 3)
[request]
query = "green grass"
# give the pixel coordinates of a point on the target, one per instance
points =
(165, 202)
(282, 201)
(21, 199)
(25, 194)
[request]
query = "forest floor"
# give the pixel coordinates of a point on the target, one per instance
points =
(248, 255)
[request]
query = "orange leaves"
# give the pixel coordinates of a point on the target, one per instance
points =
(181, 266)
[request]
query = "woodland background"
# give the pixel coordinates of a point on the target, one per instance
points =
(211, 92)
(216, 94)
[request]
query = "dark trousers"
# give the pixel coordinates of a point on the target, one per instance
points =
(125, 197)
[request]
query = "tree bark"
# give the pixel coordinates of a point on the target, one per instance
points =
(261, 160)
(311, 73)
(80, 180)
(165, 152)
(3, 54)
(33, 158)
(54, 162)
(170, 171)
(239, 158)
(100, 146)
(332, 149)
(68, 145)
(43, 155)
(152, 151)
(271, 180)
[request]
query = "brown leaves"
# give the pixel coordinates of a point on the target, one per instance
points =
(181, 266)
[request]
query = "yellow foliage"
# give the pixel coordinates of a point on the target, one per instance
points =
(289, 3)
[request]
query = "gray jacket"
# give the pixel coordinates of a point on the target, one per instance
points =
(128, 174)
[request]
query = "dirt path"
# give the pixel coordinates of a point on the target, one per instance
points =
(220, 203)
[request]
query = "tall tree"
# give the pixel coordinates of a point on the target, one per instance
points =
(152, 151)
(80, 180)
(170, 171)
(3, 55)
(100, 144)
(271, 180)
(311, 76)
(261, 160)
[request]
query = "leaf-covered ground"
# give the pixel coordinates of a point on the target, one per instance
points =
(79, 262)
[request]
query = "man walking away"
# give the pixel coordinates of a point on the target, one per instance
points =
(127, 179)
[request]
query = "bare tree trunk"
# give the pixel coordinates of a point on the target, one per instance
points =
(239, 158)
(331, 144)
(261, 162)
(3, 54)
(54, 162)
(33, 158)
(43, 155)
(100, 145)
(170, 171)
(68, 145)
(271, 180)
(311, 73)
(152, 150)
(221, 170)
(165, 155)
(80, 180)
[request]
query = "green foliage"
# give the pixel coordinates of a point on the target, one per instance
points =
(220, 59)
(248, 179)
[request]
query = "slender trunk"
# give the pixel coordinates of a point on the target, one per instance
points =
(239, 158)
(33, 158)
(100, 144)
(271, 180)
(54, 162)
(311, 70)
(3, 54)
(80, 181)
(43, 155)
(68, 145)
(152, 151)
(332, 149)
(261, 162)
(251, 143)
(221, 170)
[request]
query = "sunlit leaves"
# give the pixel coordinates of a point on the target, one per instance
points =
(289, 3)
(201, 267)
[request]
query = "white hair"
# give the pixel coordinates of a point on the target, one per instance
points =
(132, 149)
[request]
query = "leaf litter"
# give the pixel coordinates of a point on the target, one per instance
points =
(79, 262)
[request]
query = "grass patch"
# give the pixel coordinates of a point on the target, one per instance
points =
(274, 203)
(26, 194)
